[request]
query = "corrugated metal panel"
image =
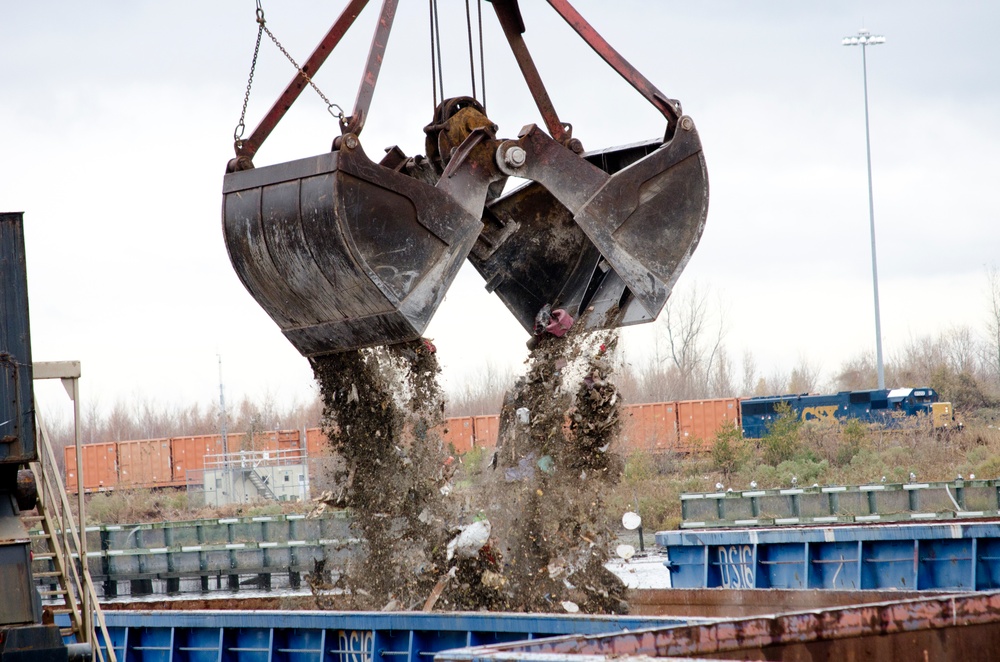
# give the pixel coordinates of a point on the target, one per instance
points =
(262, 441)
(100, 467)
(460, 433)
(487, 430)
(144, 463)
(958, 556)
(188, 454)
(650, 427)
(701, 420)
(275, 442)
(237, 441)
(347, 637)
(316, 442)
(288, 440)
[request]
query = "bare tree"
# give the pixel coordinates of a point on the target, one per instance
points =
(804, 377)
(750, 378)
(119, 425)
(993, 318)
(857, 373)
(722, 382)
(695, 340)
(483, 392)
(962, 349)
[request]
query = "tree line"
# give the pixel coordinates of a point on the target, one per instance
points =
(689, 360)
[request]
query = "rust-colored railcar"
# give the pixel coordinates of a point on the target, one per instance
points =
(144, 463)
(700, 420)
(487, 430)
(188, 454)
(100, 467)
(459, 433)
(316, 442)
(650, 427)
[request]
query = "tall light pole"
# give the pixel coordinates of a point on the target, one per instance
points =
(864, 39)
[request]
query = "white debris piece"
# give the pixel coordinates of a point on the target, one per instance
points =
(470, 540)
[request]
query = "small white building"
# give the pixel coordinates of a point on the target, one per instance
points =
(247, 476)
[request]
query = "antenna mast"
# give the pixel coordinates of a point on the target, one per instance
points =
(222, 414)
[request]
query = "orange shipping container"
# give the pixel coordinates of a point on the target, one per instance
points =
(459, 433)
(316, 442)
(701, 420)
(100, 467)
(486, 430)
(279, 442)
(188, 454)
(144, 463)
(650, 427)
(236, 441)
(274, 440)
(288, 440)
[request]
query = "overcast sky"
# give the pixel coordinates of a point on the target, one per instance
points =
(116, 122)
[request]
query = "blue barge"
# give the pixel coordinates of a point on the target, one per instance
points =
(940, 556)
(228, 636)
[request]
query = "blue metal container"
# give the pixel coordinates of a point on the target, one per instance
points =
(17, 407)
(956, 556)
(228, 636)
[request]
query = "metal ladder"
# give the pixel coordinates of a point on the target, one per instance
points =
(66, 565)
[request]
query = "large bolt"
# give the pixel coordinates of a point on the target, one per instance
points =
(687, 123)
(515, 156)
(350, 141)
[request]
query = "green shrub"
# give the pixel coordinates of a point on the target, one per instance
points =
(806, 470)
(729, 452)
(854, 436)
(988, 468)
(640, 466)
(782, 441)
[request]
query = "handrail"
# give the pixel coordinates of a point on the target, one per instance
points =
(53, 495)
(254, 458)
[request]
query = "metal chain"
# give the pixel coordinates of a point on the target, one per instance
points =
(262, 28)
(329, 104)
(241, 126)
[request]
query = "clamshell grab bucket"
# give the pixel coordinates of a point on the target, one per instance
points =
(611, 231)
(341, 252)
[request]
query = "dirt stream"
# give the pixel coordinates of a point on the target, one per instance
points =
(532, 538)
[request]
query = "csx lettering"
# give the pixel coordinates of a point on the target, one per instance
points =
(820, 412)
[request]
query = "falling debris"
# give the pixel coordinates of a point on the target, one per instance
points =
(469, 541)
(534, 537)
(380, 410)
(554, 462)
